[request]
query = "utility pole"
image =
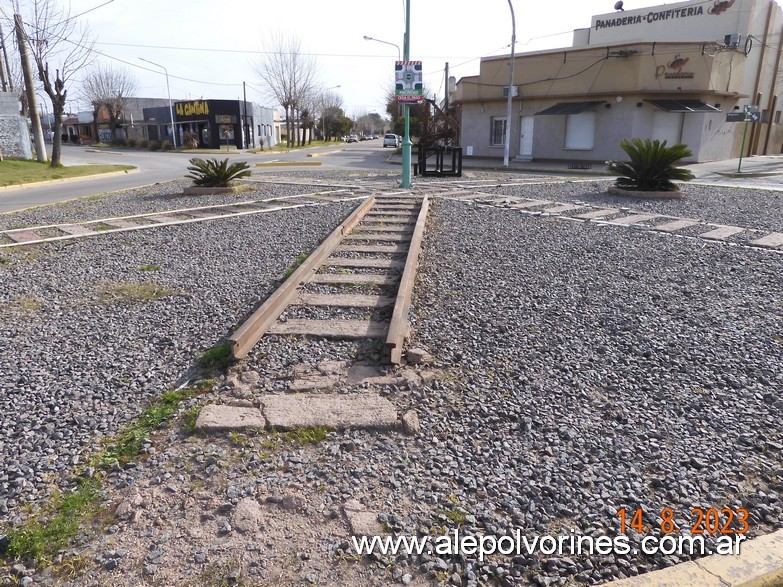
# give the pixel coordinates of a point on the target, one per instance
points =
(21, 37)
(446, 102)
(507, 146)
(4, 66)
(406, 139)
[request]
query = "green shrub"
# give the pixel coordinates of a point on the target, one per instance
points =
(129, 142)
(141, 143)
(166, 146)
(117, 142)
(652, 166)
(153, 145)
(216, 174)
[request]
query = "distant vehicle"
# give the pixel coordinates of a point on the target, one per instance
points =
(363, 138)
(391, 140)
(353, 139)
(373, 137)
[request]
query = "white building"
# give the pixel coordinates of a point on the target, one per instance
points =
(673, 72)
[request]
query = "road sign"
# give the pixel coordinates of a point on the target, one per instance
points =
(752, 109)
(408, 82)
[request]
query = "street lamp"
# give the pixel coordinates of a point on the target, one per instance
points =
(366, 38)
(168, 90)
(323, 118)
(507, 147)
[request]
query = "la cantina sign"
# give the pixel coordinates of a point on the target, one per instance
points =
(718, 8)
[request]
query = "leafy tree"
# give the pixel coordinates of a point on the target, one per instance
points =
(651, 166)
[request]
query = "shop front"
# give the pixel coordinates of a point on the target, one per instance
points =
(213, 124)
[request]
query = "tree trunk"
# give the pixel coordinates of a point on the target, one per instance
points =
(57, 139)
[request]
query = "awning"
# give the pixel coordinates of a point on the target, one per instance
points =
(682, 106)
(570, 107)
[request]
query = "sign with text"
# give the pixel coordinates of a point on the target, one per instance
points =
(408, 82)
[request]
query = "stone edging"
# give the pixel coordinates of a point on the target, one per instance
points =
(759, 564)
(195, 190)
(645, 195)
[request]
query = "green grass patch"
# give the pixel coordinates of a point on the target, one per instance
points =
(128, 444)
(300, 258)
(148, 267)
(56, 525)
(132, 292)
(455, 515)
(216, 359)
(19, 172)
(309, 435)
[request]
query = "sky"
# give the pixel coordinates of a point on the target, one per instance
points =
(209, 46)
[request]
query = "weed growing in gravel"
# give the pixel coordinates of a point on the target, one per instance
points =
(216, 359)
(22, 305)
(133, 292)
(129, 443)
(189, 419)
(71, 567)
(101, 226)
(455, 515)
(56, 525)
(307, 435)
(148, 267)
(300, 258)
(222, 575)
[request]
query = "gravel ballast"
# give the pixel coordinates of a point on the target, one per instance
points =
(78, 360)
(581, 368)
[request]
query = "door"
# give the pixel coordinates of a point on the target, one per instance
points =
(525, 138)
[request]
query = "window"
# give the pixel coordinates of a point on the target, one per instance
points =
(777, 117)
(497, 131)
(580, 130)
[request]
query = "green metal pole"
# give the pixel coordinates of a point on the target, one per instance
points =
(406, 139)
(742, 148)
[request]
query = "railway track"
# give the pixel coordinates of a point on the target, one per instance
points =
(58, 232)
(364, 270)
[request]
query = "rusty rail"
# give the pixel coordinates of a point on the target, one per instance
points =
(398, 327)
(262, 319)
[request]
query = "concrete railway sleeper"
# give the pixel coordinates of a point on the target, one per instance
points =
(355, 256)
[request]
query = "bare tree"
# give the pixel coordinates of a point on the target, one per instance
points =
(330, 106)
(109, 88)
(289, 75)
(55, 40)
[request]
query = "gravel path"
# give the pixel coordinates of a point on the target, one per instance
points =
(762, 209)
(78, 360)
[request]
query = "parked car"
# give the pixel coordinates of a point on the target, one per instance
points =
(391, 140)
(352, 139)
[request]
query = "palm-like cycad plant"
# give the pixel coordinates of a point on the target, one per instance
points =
(216, 174)
(651, 167)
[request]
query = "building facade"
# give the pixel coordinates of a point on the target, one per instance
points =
(680, 72)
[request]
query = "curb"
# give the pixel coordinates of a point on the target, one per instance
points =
(64, 180)
(759, 564)
(287, 163)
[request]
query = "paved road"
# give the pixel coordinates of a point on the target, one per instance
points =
(154, 167)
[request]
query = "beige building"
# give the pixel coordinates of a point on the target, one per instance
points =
(675, 72)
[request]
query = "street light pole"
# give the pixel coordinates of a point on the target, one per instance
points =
(507, 147)
(366, 38)
(406, 139)
(168, 90)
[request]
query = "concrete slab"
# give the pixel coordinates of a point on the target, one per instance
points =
(531, 204)
(722, 233)
(374, 213)
(163, 218)
(597, 214)
(675, 225)
(337, 278)
(771, 241)
(391, 237)
(314, 381)
(683, 575)
(370, 249)
(23, 236)
(348, 329)
(361, 521)
(77, 230)
(359, 262)
(563, 208)
(121, 223)
(343, 300)
(337, 412)
(369, 227)
(220, 418)
(633, 219)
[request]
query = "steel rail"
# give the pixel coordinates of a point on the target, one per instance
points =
(398, 326)
(254, 328)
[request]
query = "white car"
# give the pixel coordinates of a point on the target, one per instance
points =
(391, 140)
